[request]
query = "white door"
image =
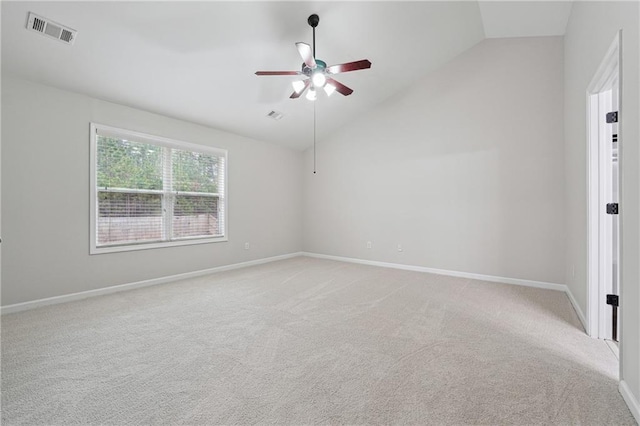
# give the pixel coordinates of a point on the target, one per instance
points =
(604, 233)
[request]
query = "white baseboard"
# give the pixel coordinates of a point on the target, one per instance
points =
(576, 308)
(130, 286)
(492, 278)
(503, 280)
(632, 402)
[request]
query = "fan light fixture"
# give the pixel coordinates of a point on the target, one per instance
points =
(318, 78)
(311, 94)
(298, 86)
(329, 89)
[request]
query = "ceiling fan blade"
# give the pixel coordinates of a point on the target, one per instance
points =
(278, 73)
(349, 66)
(296, 95)
(340, 88)
(307, 54)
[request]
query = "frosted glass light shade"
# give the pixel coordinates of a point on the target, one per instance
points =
(311, 94)
(298, 86)
(329, 89)
(318, 79)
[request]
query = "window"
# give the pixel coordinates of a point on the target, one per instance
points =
(150, 192)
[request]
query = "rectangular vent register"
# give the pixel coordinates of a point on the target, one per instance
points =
(51, 29)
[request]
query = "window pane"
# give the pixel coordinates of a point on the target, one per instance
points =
(127, 164)
(195, 171)
(128, 218)
(195, 216)
(155, 192)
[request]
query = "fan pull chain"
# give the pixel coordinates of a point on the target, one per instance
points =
(314, 138)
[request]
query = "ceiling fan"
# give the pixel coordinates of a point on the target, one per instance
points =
(317, 72)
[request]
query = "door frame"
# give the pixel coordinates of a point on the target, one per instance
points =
(609, 70)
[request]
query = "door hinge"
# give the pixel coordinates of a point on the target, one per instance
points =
(612, 208)
(612, 299)
(614, 137)
(612, 117)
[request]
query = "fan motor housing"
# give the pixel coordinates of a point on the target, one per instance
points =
(320, 66)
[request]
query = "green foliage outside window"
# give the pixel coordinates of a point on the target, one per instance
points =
(194, 172)
(135, 165)
(128, 164)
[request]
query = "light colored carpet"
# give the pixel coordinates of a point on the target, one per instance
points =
(309, 341)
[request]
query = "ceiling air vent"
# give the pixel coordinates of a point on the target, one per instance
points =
(275, 115)
(51, 29)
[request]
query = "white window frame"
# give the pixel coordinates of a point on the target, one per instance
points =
(105, 130)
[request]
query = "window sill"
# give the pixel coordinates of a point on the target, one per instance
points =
(154, 245)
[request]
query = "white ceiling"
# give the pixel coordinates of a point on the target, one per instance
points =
(524, 18)
(196, 60)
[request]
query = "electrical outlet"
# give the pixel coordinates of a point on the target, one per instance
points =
(400, 247)
(369, 245)
(247, 246)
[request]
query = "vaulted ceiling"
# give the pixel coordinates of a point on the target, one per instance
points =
(196, 60)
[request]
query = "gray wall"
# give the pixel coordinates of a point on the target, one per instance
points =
(591, 29)
(465, 170)
(45, 191)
